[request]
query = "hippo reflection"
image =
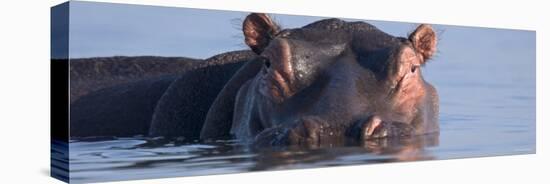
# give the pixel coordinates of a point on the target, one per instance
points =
(326, 82)
(380, 150)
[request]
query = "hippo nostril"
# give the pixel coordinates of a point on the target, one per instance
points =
(266, 62)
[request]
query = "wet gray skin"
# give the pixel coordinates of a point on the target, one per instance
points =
(333, 80)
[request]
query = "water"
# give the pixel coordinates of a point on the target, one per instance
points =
(138, 158)
(485, 79)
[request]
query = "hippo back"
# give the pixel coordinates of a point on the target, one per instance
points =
(157, 101)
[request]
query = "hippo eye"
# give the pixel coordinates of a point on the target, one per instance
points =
(266, 61)
(414, 68)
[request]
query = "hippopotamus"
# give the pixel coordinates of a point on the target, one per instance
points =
(328, 81)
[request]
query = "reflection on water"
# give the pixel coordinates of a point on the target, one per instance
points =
(134, 158)
(372, 151)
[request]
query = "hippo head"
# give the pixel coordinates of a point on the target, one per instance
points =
(332, 80)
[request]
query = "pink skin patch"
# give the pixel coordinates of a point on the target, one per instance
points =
(373, 123)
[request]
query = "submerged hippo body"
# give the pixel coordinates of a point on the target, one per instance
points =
(327, 81)
(158, 104)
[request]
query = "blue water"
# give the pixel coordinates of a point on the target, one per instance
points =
(485, 79)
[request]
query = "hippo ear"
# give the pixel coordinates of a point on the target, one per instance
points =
(424, 41)
(258, 31)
